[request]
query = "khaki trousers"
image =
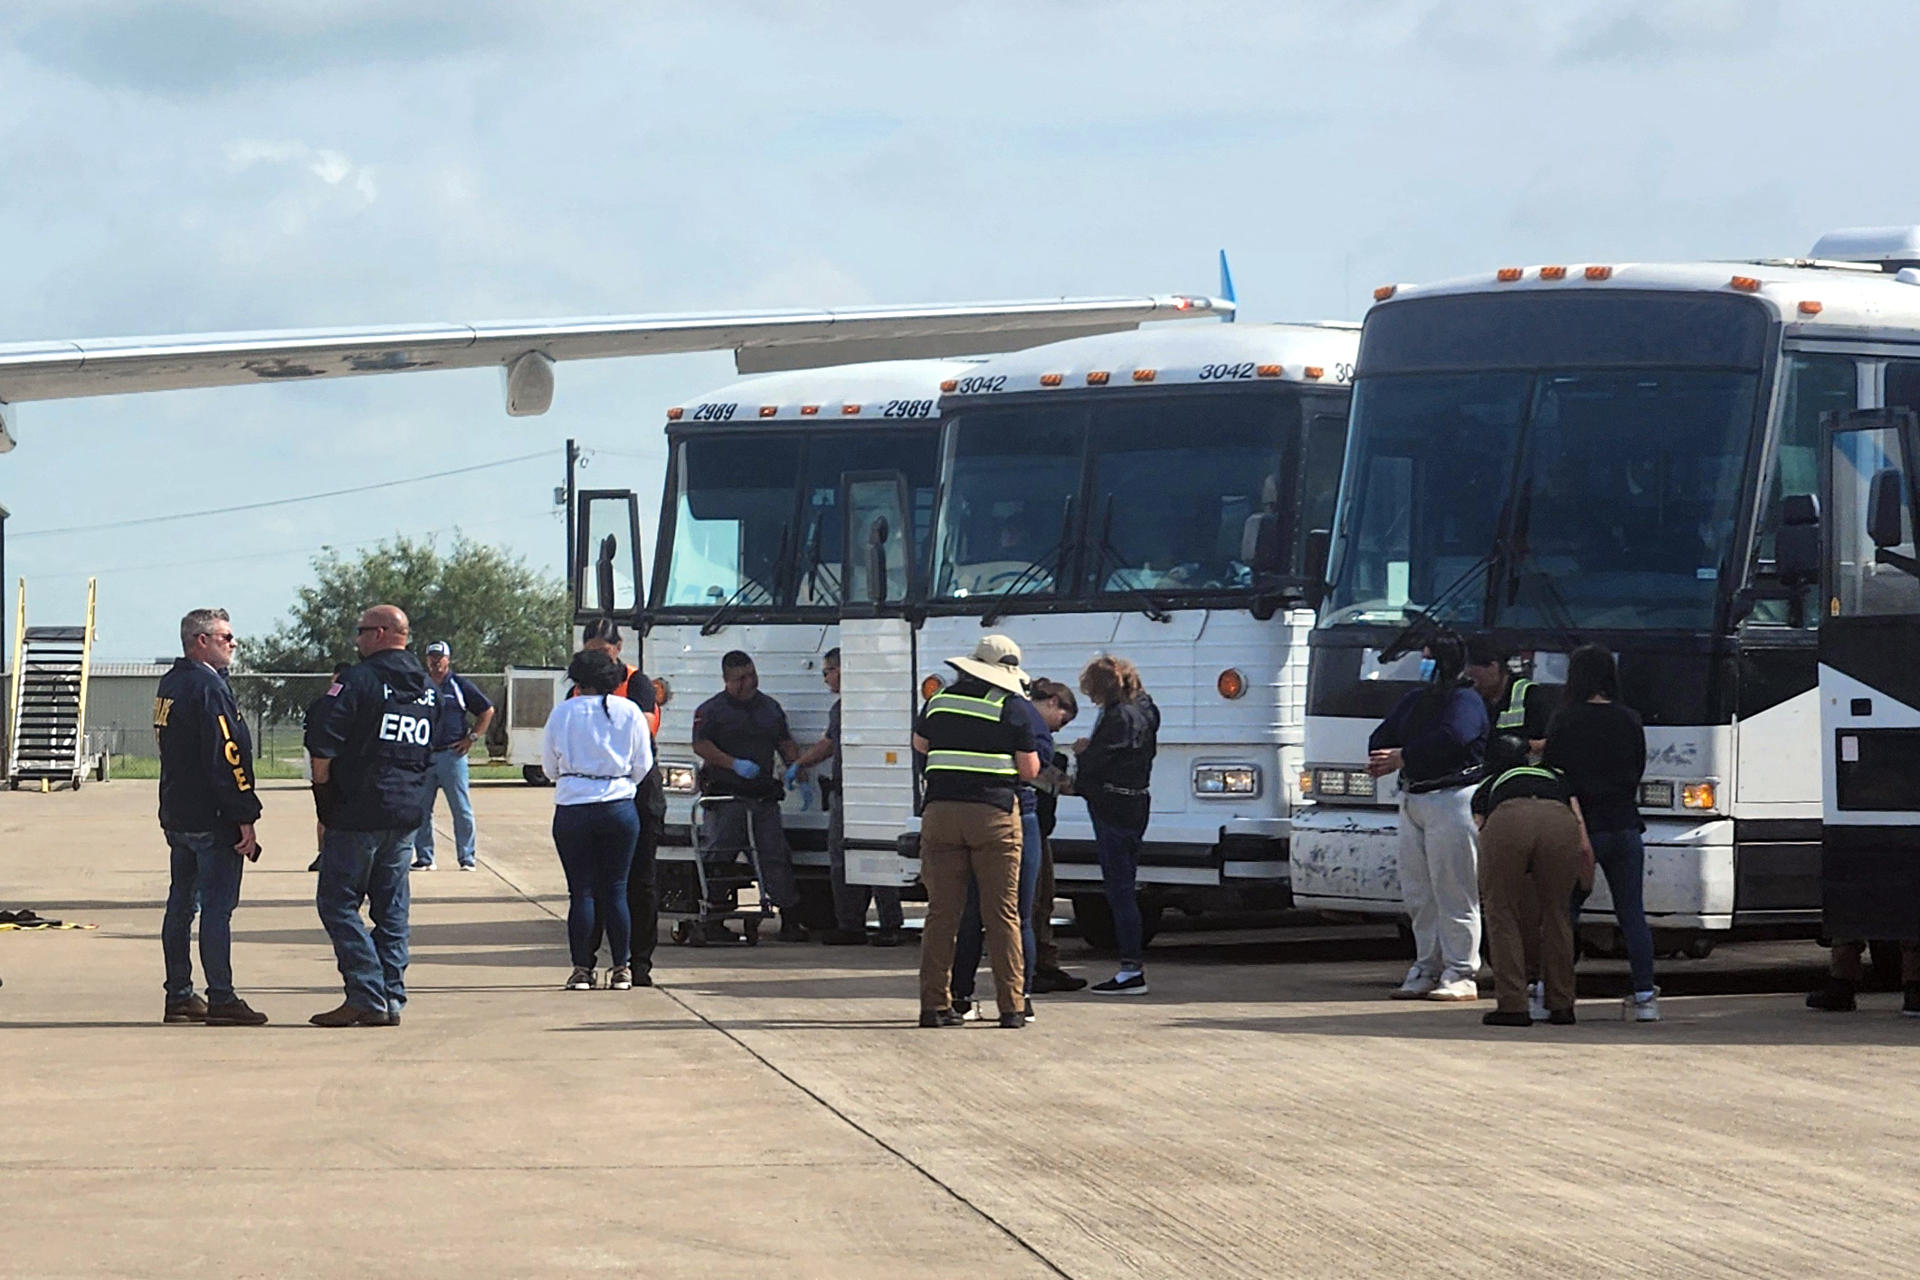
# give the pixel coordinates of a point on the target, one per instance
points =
(1529, 860)
(962, 842)
(1046, 952)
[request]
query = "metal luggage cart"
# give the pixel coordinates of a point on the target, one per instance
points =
(701, 917)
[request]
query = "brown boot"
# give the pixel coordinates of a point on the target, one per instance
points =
(350, 1015)
(192, 1009)
(235, 1013)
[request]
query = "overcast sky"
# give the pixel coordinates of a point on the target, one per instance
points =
(227, 164)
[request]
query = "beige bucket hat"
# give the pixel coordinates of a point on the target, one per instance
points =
(996, 659)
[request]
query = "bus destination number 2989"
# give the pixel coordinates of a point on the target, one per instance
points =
(908, 409)
(714, 412)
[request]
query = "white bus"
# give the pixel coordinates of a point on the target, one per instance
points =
(1152, 495)
(1601, 453)
(749, 556)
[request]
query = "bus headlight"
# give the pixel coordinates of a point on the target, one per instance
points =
(1226, 780)
(677, 778)
(1656, 795)
(1346, 784)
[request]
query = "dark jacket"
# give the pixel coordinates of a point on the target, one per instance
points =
(751, 730)
(947, 731)
(1602, 748)
(1442, 739)
(206, 754)
(1116, 769)
(376, 724)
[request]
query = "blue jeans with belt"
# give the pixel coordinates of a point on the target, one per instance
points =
(596, 843)
(206, 877)
(973, 934)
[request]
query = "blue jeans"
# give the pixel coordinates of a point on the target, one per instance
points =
(596, 850)
(369, 867)
(447, 773)
(1118, 849)
(206, 876)
(973, 934)
(1622, 858)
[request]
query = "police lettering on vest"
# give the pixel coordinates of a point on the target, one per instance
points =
(376, 725)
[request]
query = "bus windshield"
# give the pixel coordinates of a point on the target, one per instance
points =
(756, 519)
(1172, 479)
(1561, 497)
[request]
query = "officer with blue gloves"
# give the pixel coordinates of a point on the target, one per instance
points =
(739, 734)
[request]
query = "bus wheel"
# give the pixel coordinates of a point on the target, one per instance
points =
(1095, 921)
(1697, 948)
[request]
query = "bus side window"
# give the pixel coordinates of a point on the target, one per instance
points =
(1326, 447)
(1815, 385)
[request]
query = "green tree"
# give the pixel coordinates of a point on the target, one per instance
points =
(487, 604)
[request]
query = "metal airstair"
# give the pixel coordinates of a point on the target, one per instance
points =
(47, 722)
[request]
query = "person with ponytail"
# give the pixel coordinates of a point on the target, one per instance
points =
(1435, 739)
(598, 750)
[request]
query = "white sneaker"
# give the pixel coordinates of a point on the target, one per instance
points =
(1458, 989)
(1537, 1001)
(581, 979)
(971, 1013)
(1418, 983)
(1636, 1009)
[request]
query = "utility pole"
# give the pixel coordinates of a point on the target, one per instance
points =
(573, 460)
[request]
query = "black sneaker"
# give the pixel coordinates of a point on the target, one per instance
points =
(844, 937)
(642, 977)
(1013, 1021)
(1046, 980)
(1910, 1003)
(1560, 1017)
(1495, 1018)
(792, 930)
(885, 938)
(1134, 984)
(234, 1013)
(1837, 997)
(940, 1018)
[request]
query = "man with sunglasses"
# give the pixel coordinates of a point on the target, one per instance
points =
(208, 806)
(371, 739)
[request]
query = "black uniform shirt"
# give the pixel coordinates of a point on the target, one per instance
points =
(751, 730)
(206, 754)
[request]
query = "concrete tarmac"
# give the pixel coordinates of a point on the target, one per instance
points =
(1265, 1111)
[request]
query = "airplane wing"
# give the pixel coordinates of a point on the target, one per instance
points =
(525, 351)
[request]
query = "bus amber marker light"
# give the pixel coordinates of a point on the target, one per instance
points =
(768, 410)
(1553, 273)
(1599, 273)
(1098, 378)
(808, 410)
(1385, 291)
(1314, 371)
(1507, 275)
(930, 686)
(1270, 370)
(1810, 307)
(1230, 683)
(849, 409)
(1143, 375)
(674, 415)
(950, 384)
(1745, 284)
(1050, 379)
(662, 692)
(1697, 795)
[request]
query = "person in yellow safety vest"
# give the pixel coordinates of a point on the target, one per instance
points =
(976, 737)
(1505, 692)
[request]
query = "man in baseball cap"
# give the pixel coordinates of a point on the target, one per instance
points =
(461, 714)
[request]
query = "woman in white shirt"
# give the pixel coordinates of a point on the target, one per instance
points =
(597, 750)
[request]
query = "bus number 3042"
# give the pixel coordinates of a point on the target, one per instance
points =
(1217, 372)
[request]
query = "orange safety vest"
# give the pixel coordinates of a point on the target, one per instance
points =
(652, 714)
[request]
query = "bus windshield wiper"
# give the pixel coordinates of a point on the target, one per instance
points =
(817, 570)
(1522, 569)
(718, 618)
(1109, 555)
(1423, 622)
(1049, 564)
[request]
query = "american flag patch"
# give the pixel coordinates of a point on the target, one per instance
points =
(333, 690)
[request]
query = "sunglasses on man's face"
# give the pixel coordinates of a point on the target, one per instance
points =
(364, 630)
(226, 637)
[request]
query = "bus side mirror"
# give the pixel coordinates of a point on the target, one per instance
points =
(877, 560)
(603, 573)
(1796, 548)
(1883, 508)
(1261, 549)
(1319, 551)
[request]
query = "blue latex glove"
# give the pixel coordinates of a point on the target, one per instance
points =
(793, 774)
(746, 769)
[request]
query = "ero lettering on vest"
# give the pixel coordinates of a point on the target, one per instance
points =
(395, 727)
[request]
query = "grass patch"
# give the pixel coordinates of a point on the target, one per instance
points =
(138, 767)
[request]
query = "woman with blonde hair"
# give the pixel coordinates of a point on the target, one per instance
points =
(1115, 770)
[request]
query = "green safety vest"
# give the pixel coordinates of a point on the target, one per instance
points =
(1515, 714)
(1529, 771)
(953, 760)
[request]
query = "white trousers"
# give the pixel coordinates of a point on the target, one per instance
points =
(1440, 881)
